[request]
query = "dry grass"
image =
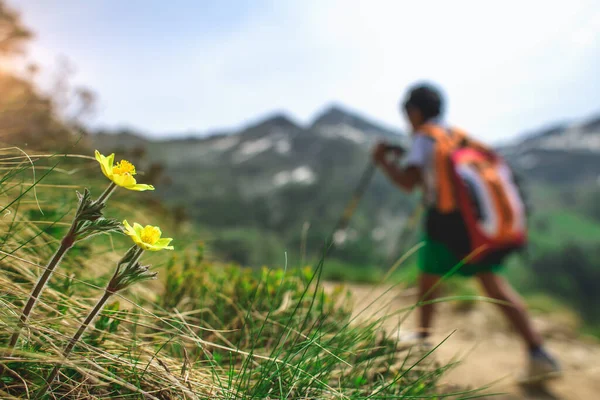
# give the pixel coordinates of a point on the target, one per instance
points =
(205, 330)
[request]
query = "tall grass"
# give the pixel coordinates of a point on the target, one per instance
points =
(204, 330)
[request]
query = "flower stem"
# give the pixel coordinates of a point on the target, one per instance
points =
(99, 305)
(111, 288)
(106, 194)
(65, 245)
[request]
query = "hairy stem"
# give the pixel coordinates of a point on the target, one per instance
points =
(65, 245)
(99, 306)
(106, 194)
(111, 289)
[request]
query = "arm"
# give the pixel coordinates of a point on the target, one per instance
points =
(405, 178)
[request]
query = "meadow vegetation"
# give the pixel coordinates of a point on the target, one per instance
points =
(204, 329)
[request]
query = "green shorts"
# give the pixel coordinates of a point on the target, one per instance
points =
(435, 258)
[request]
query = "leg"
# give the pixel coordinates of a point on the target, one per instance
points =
(542, 365)
(498, 288)
(426, 293)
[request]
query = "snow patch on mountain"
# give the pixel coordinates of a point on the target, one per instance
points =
(252, 148)
(225, 143)
(344, 131)
(573, 138)
(283, 146)
(302, 175)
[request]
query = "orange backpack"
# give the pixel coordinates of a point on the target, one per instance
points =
(477, 186)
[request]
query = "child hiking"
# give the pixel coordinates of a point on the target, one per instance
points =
(479, 220)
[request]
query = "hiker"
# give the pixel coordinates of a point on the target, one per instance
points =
(445, 231)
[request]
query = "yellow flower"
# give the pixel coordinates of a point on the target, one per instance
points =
(121, 174)
(148, 237)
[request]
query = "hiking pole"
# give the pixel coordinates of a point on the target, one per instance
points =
(360, 191)
(356, 197)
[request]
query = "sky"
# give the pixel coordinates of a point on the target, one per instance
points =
(174, 67)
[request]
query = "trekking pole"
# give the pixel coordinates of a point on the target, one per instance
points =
(344, 220)
(360, 191)
(356, 197)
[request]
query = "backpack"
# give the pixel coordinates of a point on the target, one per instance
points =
(479, 211)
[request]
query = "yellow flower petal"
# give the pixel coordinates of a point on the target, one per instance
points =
(138, 229)
(164, 242)
(158, 248)
(140, 187)
(128, 229)
(105, 163)
(124, 180)
(110, 161)
(145, 246)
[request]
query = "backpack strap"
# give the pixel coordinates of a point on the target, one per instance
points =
(447, 140)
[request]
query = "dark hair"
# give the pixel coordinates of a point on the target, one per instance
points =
(425, 98)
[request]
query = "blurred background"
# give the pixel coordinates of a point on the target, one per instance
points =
(257, 118)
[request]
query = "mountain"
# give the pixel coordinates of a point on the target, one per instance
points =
(278, 186)
(566, 153)
(273, 178)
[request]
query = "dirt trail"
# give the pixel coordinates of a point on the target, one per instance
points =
(489, 353)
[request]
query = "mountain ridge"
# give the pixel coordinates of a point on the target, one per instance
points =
(274, 117)
(334, 113)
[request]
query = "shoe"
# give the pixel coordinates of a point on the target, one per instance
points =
(542, 367)
(415, 339)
